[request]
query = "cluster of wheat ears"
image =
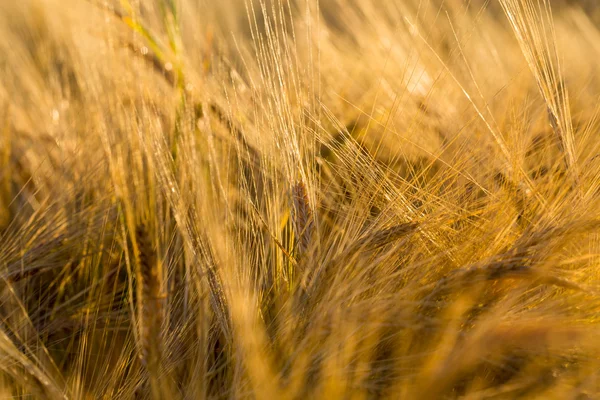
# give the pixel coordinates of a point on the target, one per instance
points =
(298, 199)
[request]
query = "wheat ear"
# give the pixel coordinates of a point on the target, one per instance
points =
(150, 300)
(302, 216)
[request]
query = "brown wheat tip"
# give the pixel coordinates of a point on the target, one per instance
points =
(381, 238)
(150, 299)
(302, 216)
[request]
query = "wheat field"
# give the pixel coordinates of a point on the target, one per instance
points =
(299, 199)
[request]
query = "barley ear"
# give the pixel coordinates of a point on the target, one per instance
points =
(150, 301)
(302, 216)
